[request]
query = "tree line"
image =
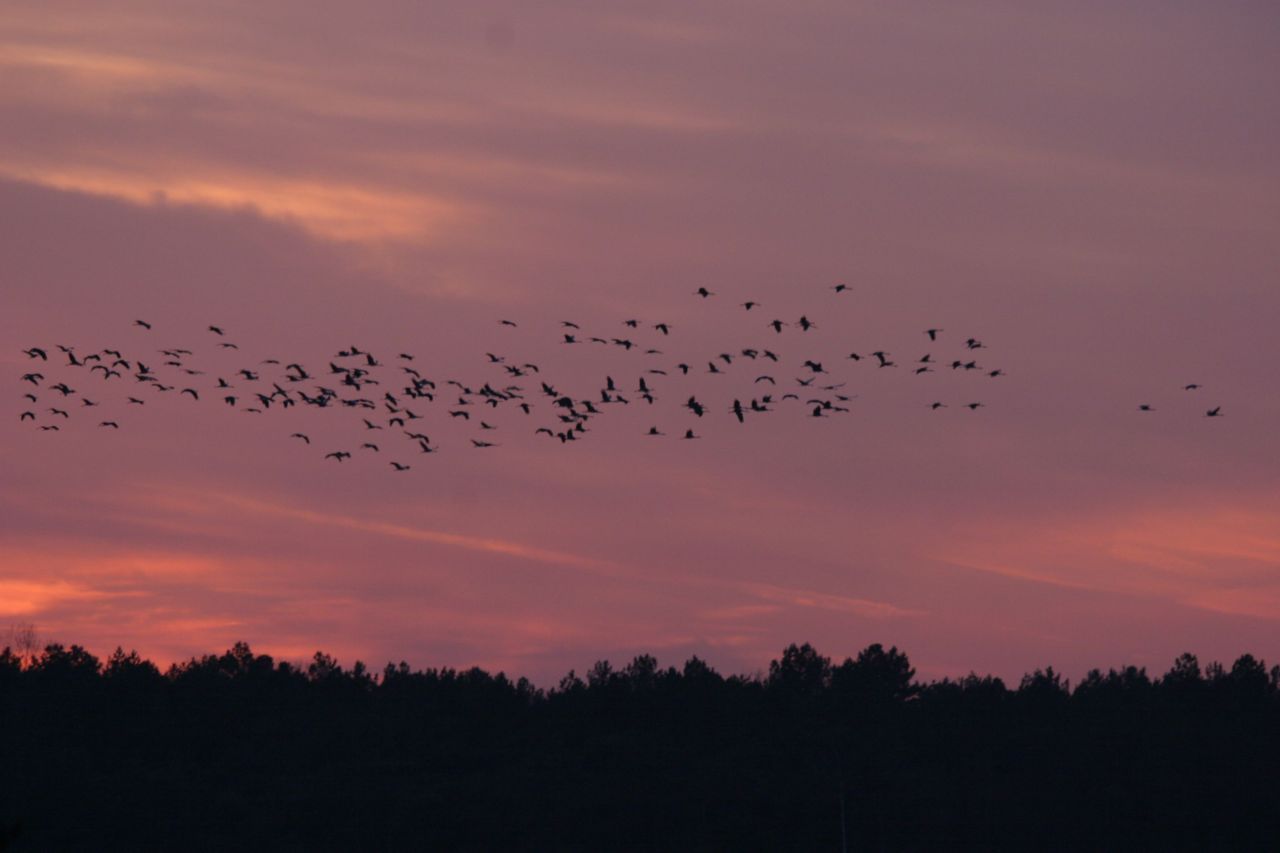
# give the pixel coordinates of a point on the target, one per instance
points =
(241, 750)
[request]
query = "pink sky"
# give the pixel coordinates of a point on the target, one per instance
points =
(1092, 190)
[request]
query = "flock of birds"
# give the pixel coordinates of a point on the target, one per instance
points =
(393, 396)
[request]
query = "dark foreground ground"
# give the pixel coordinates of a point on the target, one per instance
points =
(239, 752)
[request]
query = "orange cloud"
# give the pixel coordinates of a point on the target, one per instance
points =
(30, 597)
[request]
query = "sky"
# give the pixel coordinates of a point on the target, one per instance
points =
(1091, 189)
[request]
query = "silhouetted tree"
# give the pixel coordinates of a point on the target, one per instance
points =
(876, 677)
(235, 746)
(800, 671)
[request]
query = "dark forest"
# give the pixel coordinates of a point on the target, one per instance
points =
(240, 751)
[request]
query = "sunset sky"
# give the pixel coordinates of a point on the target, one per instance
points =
(1092, 189)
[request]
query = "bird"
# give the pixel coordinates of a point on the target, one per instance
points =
(111, 424)
(1144, 407)
(973, 407)
(36, 352)
(216, 330)
(143, 323)
(1215, 412)
(1192, 387)
(302, 436)
(936, 406)
(805, 324)
(703, 292)
(749, 304)
(840, 288)
(399, 467)
(688, 434)
(654, 431)
(932, 333)
(339, 455)
(26, 416)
